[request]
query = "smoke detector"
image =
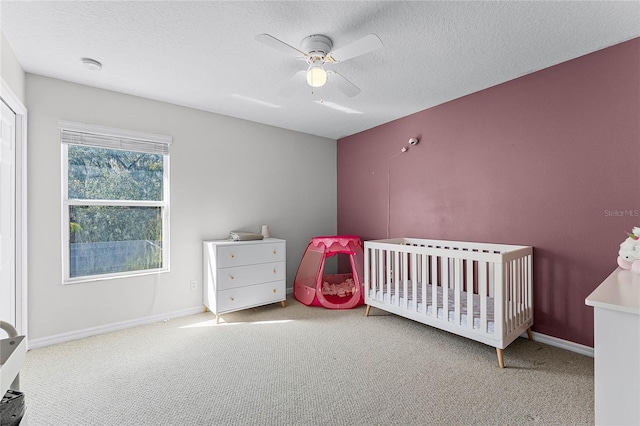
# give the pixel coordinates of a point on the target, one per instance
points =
(92, 64)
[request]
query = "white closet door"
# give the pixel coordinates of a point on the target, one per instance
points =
(7, 214)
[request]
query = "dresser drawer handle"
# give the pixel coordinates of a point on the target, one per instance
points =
(274, 290)
(231, 298)
(232, 256)
(232, 277)
(275, 251)
(274, 271)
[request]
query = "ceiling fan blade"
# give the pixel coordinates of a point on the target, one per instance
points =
(293, 84)
(344, 85)
(359, 47)
(279, 45)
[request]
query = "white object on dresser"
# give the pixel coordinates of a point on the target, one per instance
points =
(243, 274)
(616, 304)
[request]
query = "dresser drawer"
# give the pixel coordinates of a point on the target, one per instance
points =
(248, 254)
(249, 296)
(239, 276)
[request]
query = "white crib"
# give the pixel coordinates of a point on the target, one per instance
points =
(476, 290)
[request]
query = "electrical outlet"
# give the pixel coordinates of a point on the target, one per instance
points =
(194, 285)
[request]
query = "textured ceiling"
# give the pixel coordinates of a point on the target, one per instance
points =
(203, 54)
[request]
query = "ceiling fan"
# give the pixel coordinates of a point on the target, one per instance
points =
(316, 51)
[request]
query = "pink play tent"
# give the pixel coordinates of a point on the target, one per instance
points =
(334, 291)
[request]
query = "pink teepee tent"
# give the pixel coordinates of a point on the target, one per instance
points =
(334, 291)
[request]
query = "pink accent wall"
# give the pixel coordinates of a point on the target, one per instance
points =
(551, 160)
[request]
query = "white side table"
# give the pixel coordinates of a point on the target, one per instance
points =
(616, 304)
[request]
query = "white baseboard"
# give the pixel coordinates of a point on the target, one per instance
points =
(562, 344)
(93, 331)
(107, 328)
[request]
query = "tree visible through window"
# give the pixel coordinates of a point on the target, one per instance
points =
(115, 210)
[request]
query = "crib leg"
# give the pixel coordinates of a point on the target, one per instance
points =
(366, 313)
(500, 353)
(529, 333)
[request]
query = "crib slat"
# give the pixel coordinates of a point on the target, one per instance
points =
(396, 275)
(507, 302)
(519, 307)
(482, 291)
(434, 286)
(414, 280)
(377, 270)
(491, 269)
(523, 268)
(369, 263)
(514, 295)
(405, 279)
(424, 275)
(523, 289)
(372, 271)
(515, 283)
(385, 263)
(499, 287)
(389, 270)
(445, 290)
(509, 314)
(381, 272)
(470, 307)
(529, 287)
(457, 287)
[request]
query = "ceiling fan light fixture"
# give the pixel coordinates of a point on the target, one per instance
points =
(316, 75)
(317, 50)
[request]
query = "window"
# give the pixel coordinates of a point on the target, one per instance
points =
(115, 202)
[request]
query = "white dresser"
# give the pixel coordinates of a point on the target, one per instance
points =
(243, 274)
(616, 304)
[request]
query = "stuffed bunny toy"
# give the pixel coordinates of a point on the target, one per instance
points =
(629, 254)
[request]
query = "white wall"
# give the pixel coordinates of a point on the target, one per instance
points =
(11, 71)
(226, 174)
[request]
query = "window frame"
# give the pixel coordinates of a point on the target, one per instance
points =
(114, 135)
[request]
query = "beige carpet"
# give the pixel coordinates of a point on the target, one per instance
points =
(302, 366)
